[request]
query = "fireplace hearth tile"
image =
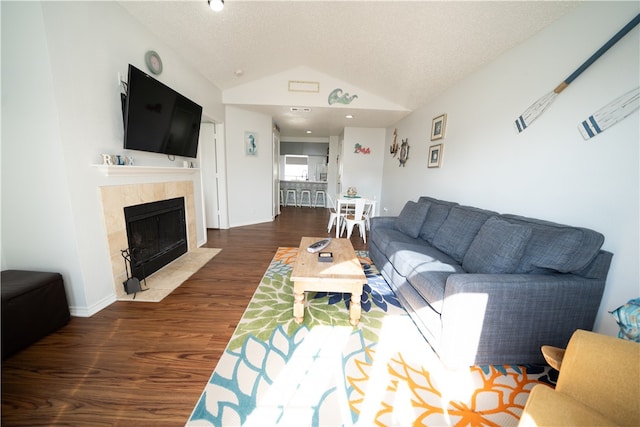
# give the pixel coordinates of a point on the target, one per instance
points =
(171, 276)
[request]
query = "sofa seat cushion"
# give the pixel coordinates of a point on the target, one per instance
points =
(382, 237)
(438, 212)
(431, 286)
(497, 248)
(556, 247)
(459, 229)
(409, 259)
(412, 217)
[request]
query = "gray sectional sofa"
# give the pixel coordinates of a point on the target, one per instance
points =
(486, 288)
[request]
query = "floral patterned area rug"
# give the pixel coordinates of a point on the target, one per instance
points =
(325, 372)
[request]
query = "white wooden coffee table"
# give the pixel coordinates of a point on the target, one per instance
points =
(344, 274)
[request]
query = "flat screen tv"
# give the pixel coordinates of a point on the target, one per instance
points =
(158, 119)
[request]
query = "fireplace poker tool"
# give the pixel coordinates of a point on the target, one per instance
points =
(132, 284)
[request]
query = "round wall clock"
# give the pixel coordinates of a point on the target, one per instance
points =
(154, 63)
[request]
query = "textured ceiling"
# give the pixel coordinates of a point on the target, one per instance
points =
(404, 51)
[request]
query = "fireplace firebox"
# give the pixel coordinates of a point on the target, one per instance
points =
(156, 233)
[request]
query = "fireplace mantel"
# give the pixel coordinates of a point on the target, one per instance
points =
(114, 170)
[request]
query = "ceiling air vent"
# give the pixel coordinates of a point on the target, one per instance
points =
(300, 109)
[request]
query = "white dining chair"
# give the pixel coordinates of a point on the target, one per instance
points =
(356, 218)
(368, 210)
(334, 216)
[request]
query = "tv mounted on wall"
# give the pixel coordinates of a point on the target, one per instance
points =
(158, 119)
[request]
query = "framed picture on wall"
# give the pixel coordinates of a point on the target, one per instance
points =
(437, 127)
(435, 156)
(251, 143)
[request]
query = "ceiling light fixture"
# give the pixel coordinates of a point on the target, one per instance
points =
(309, 131)
(216, 5)
(348, 116)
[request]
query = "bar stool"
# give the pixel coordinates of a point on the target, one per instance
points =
(281, 197)
(291, 192)
(320, 194)
(305, 198)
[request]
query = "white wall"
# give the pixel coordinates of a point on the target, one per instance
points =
(37, 218)
(249, 181)
(548, 171)
(362, 170)
(60, 110)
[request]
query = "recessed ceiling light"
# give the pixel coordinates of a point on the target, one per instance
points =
(309, 131)
(348, 116)
(216, 5)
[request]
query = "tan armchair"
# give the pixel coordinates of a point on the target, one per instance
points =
(598, 385)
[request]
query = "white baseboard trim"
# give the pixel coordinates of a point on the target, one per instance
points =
(90, 311)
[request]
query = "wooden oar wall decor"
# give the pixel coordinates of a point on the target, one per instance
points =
(610, 114)
(537, 108)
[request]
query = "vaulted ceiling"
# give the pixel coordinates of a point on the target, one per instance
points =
(406, 52)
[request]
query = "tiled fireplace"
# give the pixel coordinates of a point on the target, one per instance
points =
(116, 198)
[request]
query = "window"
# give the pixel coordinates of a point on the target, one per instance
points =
(296, 167)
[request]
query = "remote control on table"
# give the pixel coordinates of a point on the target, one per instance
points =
(318, 246)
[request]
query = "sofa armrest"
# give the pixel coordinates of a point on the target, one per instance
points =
(546, 407)
(506, 318)
(602, 372)
(382, 222)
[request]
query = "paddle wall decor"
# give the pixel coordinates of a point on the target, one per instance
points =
(615, 111)
(538, 107)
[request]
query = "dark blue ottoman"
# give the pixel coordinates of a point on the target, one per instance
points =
(34, 304)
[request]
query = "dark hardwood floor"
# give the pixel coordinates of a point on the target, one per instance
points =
(138, 364)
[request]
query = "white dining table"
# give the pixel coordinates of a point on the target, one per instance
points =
(343, 202)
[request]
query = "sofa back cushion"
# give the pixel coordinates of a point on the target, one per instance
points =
(411, 218)
(438, 212)
(459, 229)
(556, 247)
(497, 248)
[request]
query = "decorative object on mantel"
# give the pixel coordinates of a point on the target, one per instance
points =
(435, 156)
(336, 96)
(538, 107)
(153, 61)
(437, 127)
(615, 111)
(352, 191)
(360, 149)
(251, 143)
(106, 159)
(116, 160)
(404, 152)
(394, 146)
